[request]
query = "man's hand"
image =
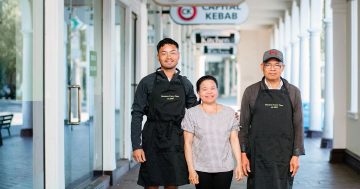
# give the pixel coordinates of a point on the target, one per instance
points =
(139, 155)
(294, 165)
(245, 164)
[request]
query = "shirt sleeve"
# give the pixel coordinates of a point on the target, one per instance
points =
(188, 124)
(245, 115)
(235, 124)
(137, 113)
(298, 125)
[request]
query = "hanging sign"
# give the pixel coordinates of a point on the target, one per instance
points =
(202, 36)
(210, 14)
(219, 50)
(197, 2)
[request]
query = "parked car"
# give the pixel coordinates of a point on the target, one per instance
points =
(8, 91)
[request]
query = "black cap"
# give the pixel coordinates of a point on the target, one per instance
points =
(273, 53)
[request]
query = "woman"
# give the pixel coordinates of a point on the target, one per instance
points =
(211, 134)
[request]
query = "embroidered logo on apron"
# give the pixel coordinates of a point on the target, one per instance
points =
(274, 106)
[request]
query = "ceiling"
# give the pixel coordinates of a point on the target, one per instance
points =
(265, 13)
(262, 14)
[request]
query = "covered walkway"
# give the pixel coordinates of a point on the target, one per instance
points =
(315, 173)
(69, 70)
(315, 170)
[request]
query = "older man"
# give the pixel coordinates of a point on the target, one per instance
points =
(272, 128)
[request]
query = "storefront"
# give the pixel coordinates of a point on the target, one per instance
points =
(69, 70)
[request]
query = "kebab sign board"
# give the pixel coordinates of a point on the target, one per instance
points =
(197, 2)
(210, 14)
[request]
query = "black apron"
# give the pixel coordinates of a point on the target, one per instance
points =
(162, 136)
(271, 137)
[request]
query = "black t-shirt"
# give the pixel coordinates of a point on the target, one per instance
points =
(141, 102)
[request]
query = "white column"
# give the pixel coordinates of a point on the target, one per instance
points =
(38, 96)
(27, 64)
(295, 44)
(227, 77)
(327, 136)
(304, 80)
(233, 78)
(98, 87)
(199, 67)
(340, 94)
(276, 37)
(108, 144)
(272, 38)
(354, 87)
(288, 48)
(128, 99)
(281, 35)
(315, 69)
(158, 25)
(54, 71)
(143, 41)
(238, 78)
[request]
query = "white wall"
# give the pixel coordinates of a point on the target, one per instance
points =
(340, 81)
(353, 129)
(250, 51)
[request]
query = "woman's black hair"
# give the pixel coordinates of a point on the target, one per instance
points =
(203, 78)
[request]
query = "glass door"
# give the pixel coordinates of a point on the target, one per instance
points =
(83, 92)
(21, 95)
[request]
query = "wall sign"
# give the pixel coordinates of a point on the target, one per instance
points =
(219, 50)
(210, 14)
(201, 36)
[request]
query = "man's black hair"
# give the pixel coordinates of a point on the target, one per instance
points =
(203, 78)
(166, 41)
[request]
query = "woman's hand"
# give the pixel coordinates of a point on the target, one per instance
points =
(238, 172)
(193, 177)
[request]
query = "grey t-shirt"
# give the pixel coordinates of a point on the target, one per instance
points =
(211, 148)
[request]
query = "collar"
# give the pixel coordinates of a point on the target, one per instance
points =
(269, 87)
(162, 73)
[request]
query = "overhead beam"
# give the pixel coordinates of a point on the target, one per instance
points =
(197, 2)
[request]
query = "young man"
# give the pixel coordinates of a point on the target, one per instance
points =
(162, 96)
(271, 136)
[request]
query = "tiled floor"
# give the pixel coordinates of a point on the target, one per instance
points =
(16, 167)
(16, 163)
(17, 158)
(315, 173)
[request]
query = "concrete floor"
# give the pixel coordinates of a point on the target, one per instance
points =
(315, 173)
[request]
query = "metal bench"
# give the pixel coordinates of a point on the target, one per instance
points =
(5, 123)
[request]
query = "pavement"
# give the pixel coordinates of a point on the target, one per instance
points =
(315, 170)
(16, 157)
(315, 173)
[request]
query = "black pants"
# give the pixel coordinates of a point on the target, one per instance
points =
(221, 180)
